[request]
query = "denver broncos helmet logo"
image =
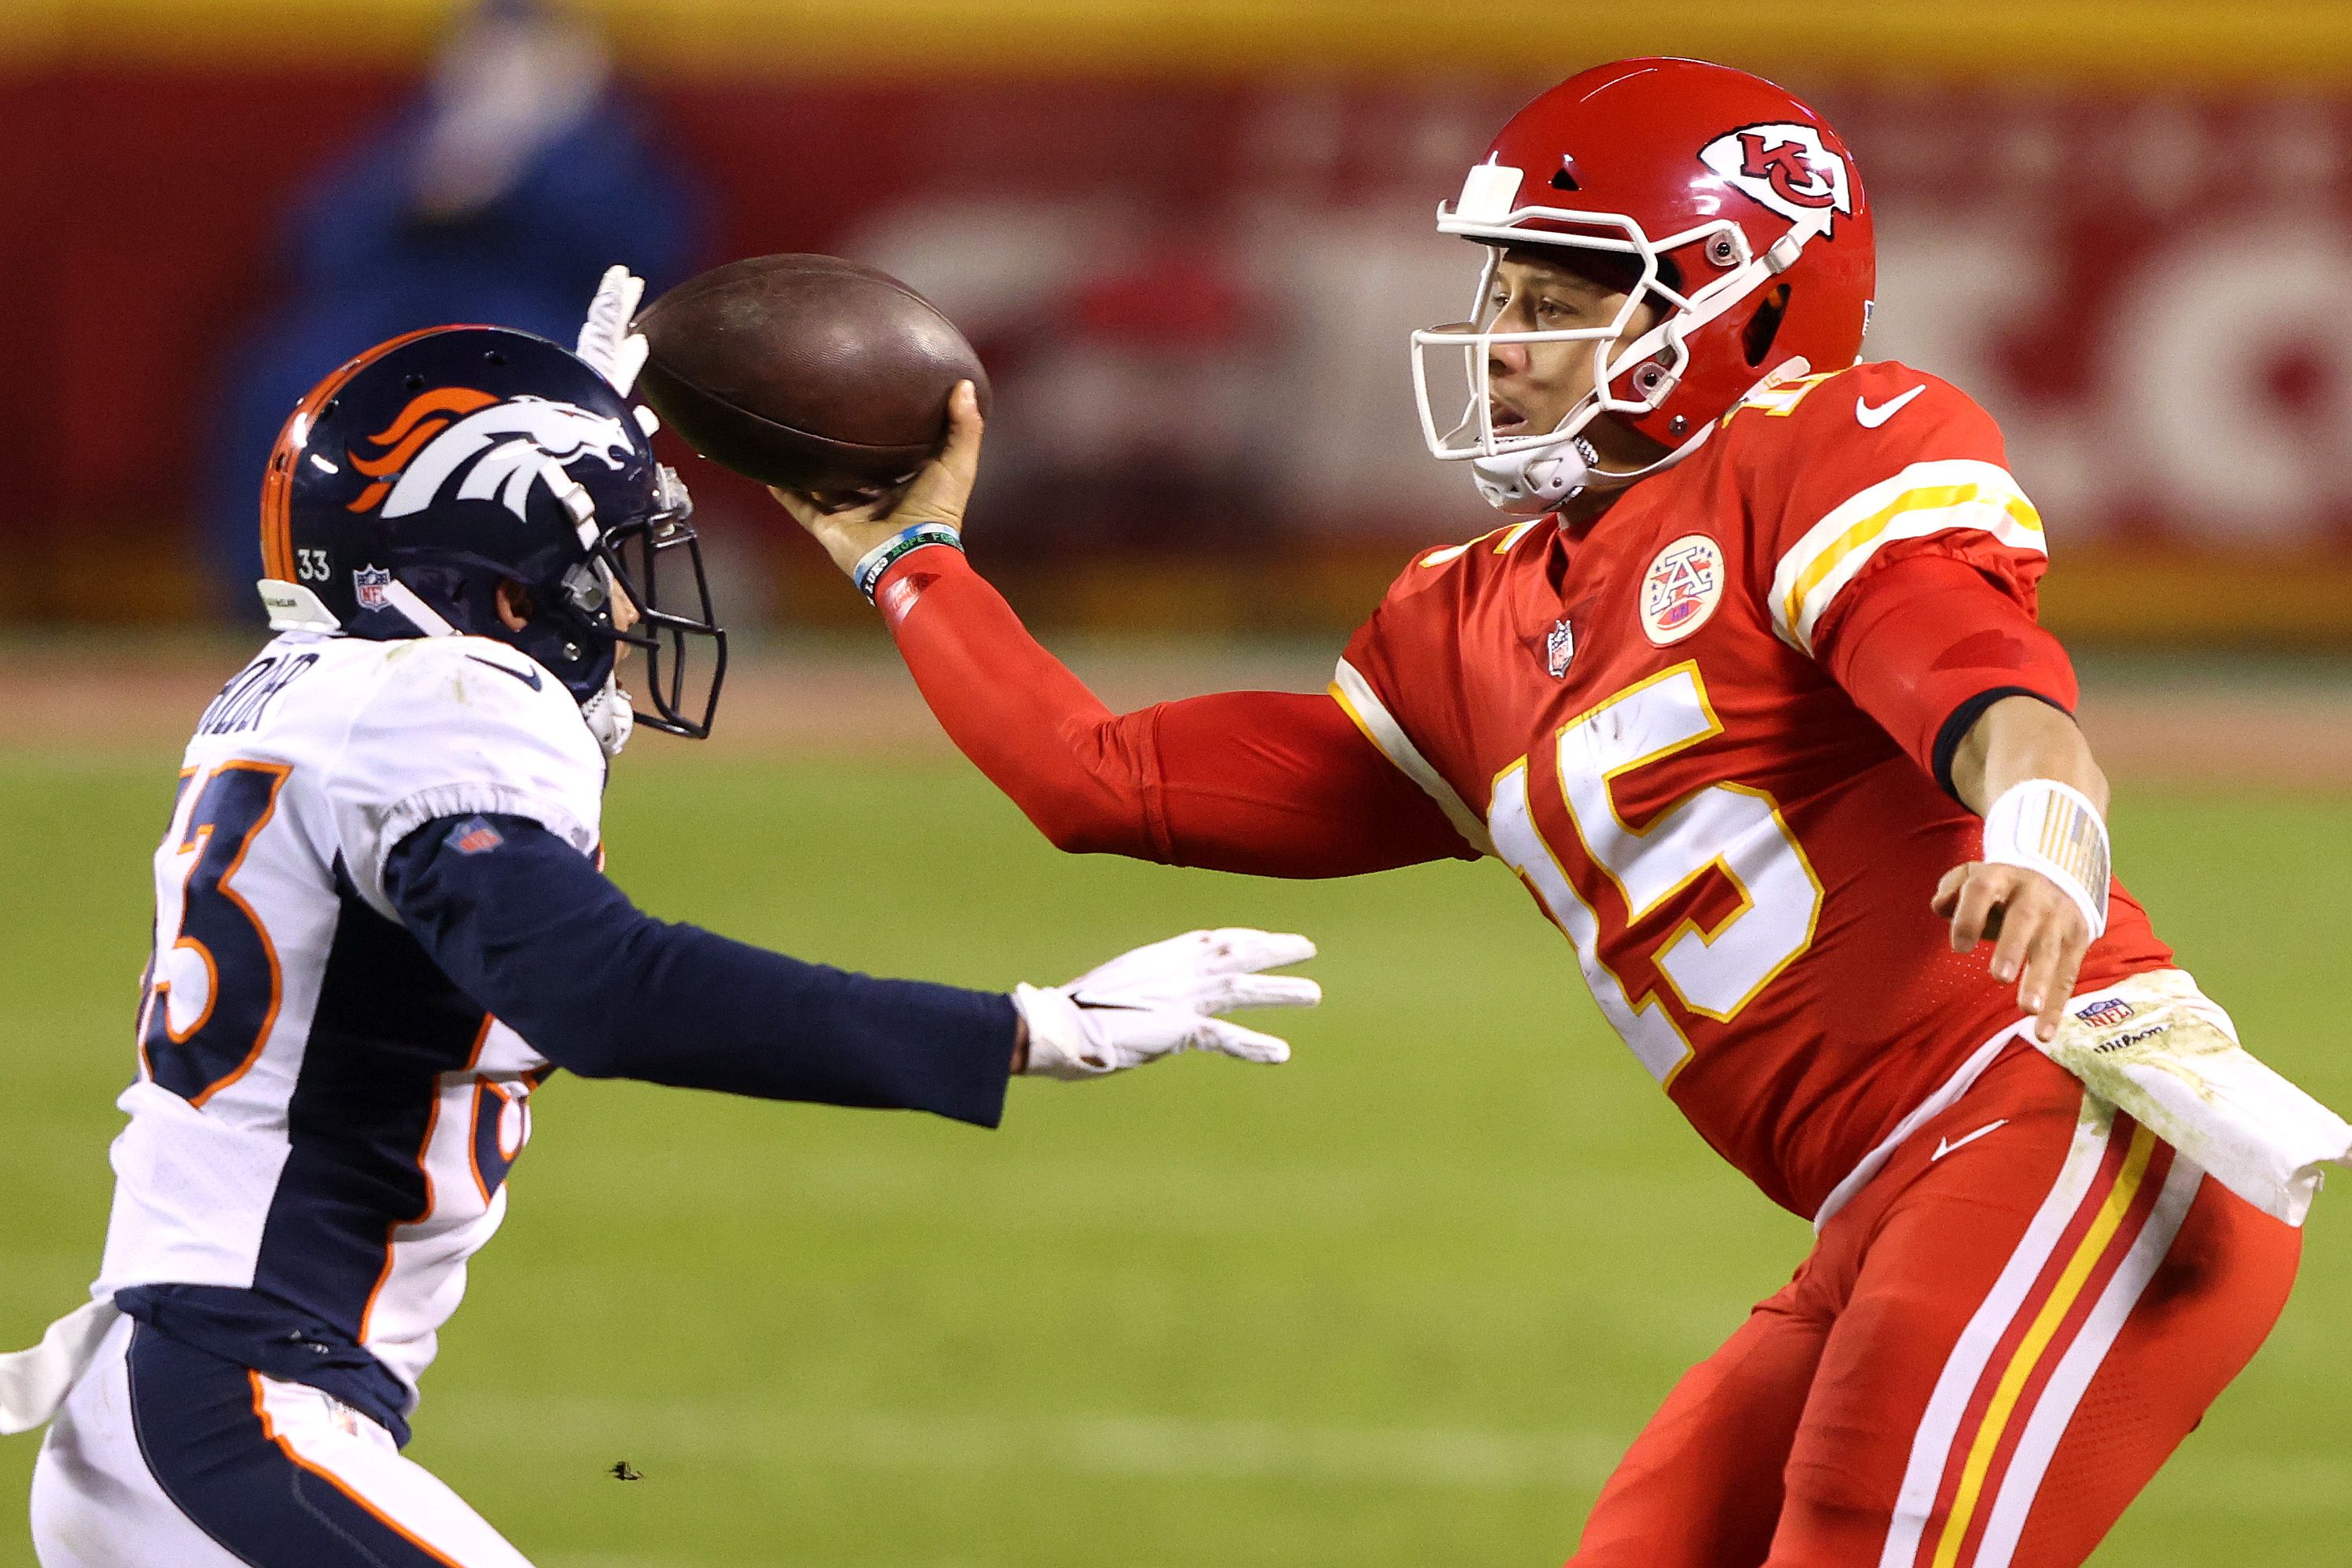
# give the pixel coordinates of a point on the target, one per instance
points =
(504, 447)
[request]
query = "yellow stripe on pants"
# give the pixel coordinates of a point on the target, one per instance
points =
(2037, 1340)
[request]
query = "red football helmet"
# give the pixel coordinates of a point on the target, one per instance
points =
(1724, 200)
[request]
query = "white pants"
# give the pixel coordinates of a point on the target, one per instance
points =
(166, 1457)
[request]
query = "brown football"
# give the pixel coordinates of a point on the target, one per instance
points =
(807, 372)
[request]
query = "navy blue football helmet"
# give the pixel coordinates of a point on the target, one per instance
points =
(416, 479)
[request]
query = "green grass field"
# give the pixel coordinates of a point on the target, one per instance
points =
(1397, 1303)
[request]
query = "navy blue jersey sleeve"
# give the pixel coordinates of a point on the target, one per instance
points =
(523, 924)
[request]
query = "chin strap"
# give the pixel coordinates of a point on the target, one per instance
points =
(1534, 480)
(610, 717)
(1540, 480)
(422, 616)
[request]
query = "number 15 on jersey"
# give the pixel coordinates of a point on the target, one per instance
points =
(1722, 829)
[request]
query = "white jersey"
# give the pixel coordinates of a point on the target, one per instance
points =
(319, 1113)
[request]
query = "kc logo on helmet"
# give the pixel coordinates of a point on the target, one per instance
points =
(1786, 168)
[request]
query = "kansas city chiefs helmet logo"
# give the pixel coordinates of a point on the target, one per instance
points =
(503, 447)
(1787, 169)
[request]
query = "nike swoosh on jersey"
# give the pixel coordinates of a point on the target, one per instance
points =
(1872, 418)
(530, 680)
(1945, 1145)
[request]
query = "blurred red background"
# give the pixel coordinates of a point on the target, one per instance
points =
(1192, 288)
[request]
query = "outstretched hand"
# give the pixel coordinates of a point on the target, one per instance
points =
(1164, 999)
(2039, 933)
(848, 525)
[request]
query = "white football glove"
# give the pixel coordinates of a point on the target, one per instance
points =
(1158, 1000)
(605, 341)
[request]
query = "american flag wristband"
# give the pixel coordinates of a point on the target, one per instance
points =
(870, 567)
(2050, 827)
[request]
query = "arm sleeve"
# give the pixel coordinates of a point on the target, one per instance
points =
(1272, 783)
(528, 929)
(1926, 644)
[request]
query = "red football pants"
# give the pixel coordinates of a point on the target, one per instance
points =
(1990, 1351)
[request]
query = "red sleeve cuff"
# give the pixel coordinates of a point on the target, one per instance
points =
(895, 590)
(1926, 644)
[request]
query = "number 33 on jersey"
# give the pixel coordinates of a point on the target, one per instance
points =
(1635, 717)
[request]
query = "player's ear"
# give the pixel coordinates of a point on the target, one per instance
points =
(515, 604)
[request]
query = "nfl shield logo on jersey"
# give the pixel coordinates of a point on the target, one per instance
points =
(1681, 589)
(368, 583)
(1559, 647)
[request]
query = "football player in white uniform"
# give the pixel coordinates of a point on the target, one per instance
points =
(381, 923)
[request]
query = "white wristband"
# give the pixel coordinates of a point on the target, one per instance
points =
(2050, 827)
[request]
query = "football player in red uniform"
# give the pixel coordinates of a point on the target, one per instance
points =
(1751, 694)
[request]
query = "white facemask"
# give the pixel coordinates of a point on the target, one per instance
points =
(1528, 475)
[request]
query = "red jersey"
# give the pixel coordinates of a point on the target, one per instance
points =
(1644, 718)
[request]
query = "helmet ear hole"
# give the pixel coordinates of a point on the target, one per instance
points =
(1762, 327)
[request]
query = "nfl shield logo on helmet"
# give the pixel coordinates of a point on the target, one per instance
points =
(368, 583)
(1560, 647)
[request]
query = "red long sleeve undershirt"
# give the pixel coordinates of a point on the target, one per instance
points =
(1276, 784)
(1926, 644)
(1281, 783)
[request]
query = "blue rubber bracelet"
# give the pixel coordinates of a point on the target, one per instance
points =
(886, 554)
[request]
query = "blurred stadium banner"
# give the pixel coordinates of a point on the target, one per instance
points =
(1189, 237)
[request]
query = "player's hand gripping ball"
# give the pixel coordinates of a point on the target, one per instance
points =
(849, 526)
(806, 372)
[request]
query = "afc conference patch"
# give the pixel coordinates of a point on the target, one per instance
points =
(368, 583)
(1682, 588)
(2105, 1013)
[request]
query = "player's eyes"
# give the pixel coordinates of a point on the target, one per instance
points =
(1543, 310)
